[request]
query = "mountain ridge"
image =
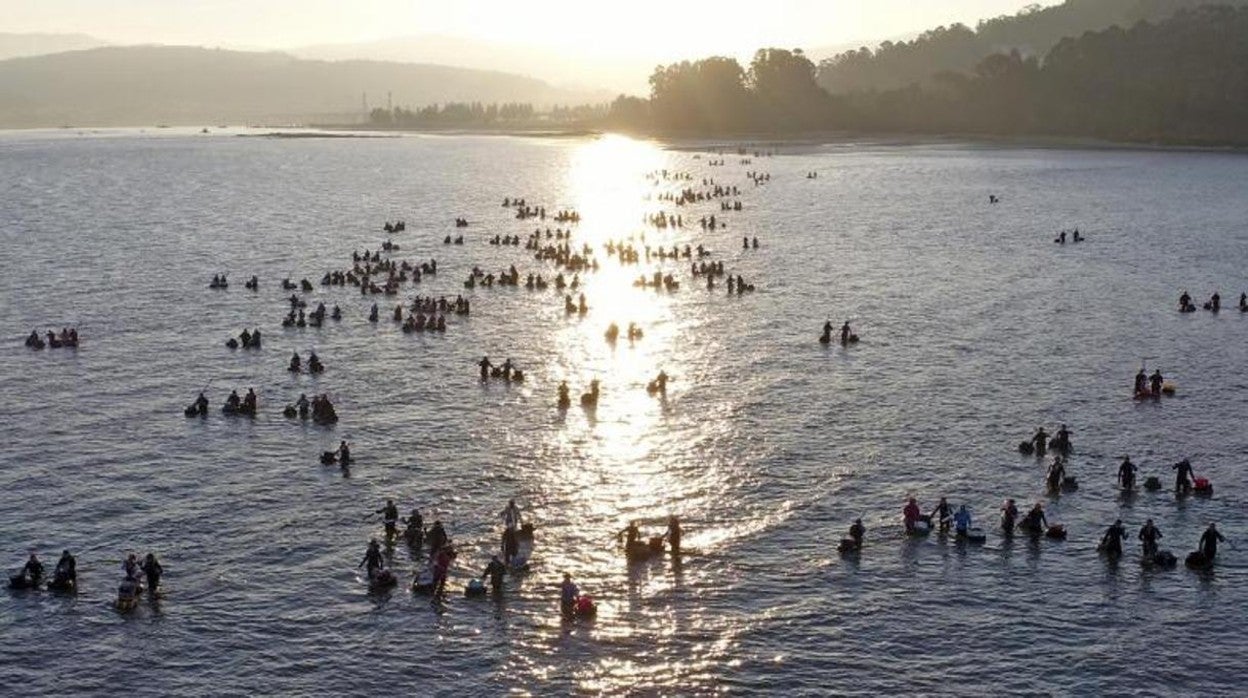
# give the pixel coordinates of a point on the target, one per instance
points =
(189, 85)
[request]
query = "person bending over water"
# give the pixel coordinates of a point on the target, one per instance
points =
(1126, 474)
(32, 571)
(1111, 542)
(1209, 542)
(66, 569)
(495, 571)
(1035, 520)
(856, 533)
(130, 569)
(1061, 440)
(1149, 535)
(1040, 442)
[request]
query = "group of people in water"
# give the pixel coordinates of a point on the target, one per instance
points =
(1040, 443)
(64, 578)
(319, 408)
(579, 307)
(1213, 305)
(637, 548)
(246, 340)
(245, 405)
(847, 336)
(507, 371)
(297, 318)
(425, 313)
(33, 575)
(435, 565)
(433, 554)
(944, 518)
(512, 555)
(633, 334)
(67, 338)
(340, 456)
(1147, 386)
(1151, 554)
(313, 366)
(1057, 480)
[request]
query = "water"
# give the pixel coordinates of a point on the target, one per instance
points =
(975, 330)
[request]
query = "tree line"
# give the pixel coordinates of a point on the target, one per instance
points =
(1180, 80)
(1183, 79)
(479, 115)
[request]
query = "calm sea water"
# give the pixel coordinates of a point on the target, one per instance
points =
(975, 329)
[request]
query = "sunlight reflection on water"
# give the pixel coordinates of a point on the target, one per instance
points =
(767, 444)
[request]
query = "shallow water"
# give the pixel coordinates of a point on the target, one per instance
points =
(975, 330)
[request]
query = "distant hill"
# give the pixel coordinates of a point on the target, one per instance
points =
(559, 68)
(175, 85)
(18, 45)
(959, 48)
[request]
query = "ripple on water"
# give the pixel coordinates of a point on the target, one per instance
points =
(975, 330)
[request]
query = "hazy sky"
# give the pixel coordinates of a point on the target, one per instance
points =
(593, 27)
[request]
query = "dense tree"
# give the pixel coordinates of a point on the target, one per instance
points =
(478, 115)
(1181, 80)
(1032, 32)
(1184, 79)
(708, 95)
(784, 90)
(630, 113)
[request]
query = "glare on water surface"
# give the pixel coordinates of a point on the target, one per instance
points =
(630, 458)
(767, 443)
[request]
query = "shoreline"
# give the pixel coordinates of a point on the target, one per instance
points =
(670, 141)
(679, 141)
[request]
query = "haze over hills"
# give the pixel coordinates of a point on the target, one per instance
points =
(618, 74)
(174, 85)
(553, 66)
(576, 72)
(182, 85)
(18, 45)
